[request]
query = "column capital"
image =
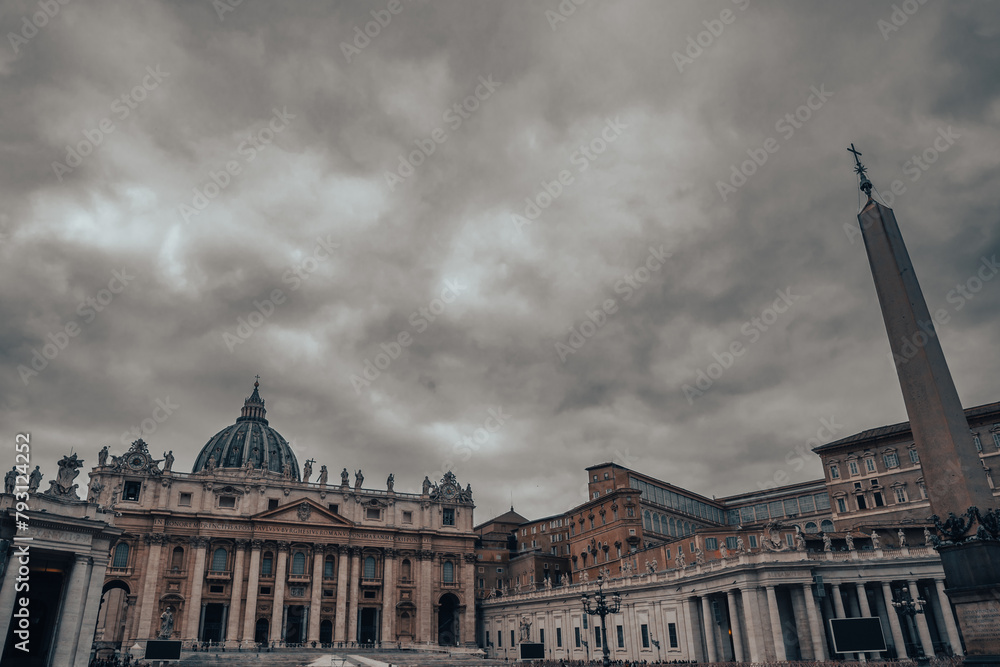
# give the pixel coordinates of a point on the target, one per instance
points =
(424, 554)
(154, 538)
(343, 549)
(284, 546)
(390, 553)
(331, 548)
(241, 545)
(199, 542)
(256, 545)
(355, 551)
(470, 558)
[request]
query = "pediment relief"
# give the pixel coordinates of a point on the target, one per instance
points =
(303, 512)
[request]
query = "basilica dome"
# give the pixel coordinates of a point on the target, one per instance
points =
(250, 438)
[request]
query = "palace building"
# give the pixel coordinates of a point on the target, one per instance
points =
(249, 548)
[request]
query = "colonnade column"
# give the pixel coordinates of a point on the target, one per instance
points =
(709, 625)
(278, 607)
(253, 584)
(815, 623)
(690, 618)
(949, 618)
(315, 600)
(866, 609)
(340, 621)
(200, 545)
(388, 595)
(803, 634)
(468, 634)
(921, 619)
(233, 622)
(152, 568)
(74, 597)
(91, 608)
(424, 605)
(776, 633)
(753, 624)
(897, 631)
(734, 625)
(355, 588)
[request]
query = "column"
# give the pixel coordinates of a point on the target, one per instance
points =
(233, 624)
(838, 601)
(897, 631)
(388, 595)
(734, 624)
(775, 615)
(89, 624)
(200, 545)
(949, 618)
(866, 610)
(803, 635)
(355, 591)
(253, 585)
(750, 612)
(816, 630)
(278, 607)
(424, 605)
(315, 600)
(925, 634)
(709, 624)
(148, 600)
(693, 646)
(340, 626)
(468, 632)
(74, 597)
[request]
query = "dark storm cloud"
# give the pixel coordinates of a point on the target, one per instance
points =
(287, 153)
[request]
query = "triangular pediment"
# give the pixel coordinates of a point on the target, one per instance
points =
(303, 512)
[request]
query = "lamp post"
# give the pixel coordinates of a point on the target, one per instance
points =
(656, 643)
(600, 607)
(906, 606)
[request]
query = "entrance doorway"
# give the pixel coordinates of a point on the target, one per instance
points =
(46, 592)
(448, 620)
(261, 630)
(368, 625)
(295, 624)
(212, 628)
(326, 632)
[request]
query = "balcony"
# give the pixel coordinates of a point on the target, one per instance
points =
(175, 573)
(371, 582)
(216, 575)
(119, 572)
(298, 578)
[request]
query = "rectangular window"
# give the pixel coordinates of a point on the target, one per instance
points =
(891, 460)
(879, 502)
(584, 622)
(790, 539)
(227, 502)
(862, 503)
(644, 629)
(131, 491)
(730, 543)
(900, 494)
(499, 639)
(914, 457)
(841, 505)
(775, 509)
(511, 637)
(672, 634)
(272, 503)
(753, 541)
(870, 465)
(834, 472)
(449, 516)
(746, 514)
(373, 513)
(853, 466)
(265, 590)
(184, 500)
(558, 637)
(576, 637)
(822, 501)
(978, 442)
(621, 636)
(541, 635)
(711, 543)
(334, 507)
(597, 637)
(996, 440)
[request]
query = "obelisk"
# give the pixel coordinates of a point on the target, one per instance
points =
(953, 473)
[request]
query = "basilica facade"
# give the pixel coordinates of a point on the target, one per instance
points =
(247, 549)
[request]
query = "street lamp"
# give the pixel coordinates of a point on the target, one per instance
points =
(656, 643)
(600, 607)
(905, 605)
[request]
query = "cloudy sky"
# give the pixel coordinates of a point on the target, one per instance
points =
(543, 201)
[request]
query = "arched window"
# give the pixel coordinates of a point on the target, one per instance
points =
(656, 524)
(826, 526)
(647, 523)
(328, 567)
(121, 555)
(448, 572)
(811, 527)
(369, 567)
(298, 563)
(267, 564)
(177, 558)
(219, 558)
(673, 527)
(406, 569)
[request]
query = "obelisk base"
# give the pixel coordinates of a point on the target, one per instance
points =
(972, 574)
